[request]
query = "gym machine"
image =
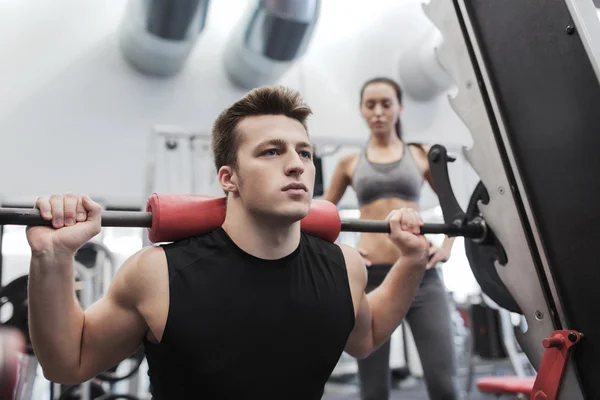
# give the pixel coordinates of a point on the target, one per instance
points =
(527, 74)
(94, 264)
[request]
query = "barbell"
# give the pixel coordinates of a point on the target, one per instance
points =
(171, 217)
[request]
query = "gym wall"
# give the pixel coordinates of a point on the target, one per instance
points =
(75, 116)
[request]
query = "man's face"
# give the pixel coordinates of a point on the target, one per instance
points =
(275, 175)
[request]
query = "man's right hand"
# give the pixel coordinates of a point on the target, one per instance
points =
(405, 233)
(76, 219)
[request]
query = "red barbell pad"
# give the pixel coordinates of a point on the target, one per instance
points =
(176, 216)
(12, 343)
(323, 220)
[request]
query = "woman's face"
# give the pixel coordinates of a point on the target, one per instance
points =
(380, 108)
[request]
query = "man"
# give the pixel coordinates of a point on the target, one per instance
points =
(254, 309)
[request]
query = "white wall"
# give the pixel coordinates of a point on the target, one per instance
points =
(75, 116)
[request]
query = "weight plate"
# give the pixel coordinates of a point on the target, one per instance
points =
(74, 392)
(482, 257)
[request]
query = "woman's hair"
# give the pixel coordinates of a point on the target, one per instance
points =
(396, 88)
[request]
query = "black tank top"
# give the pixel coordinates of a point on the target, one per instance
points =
(240, 327)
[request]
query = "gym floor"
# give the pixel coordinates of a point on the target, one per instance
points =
(414, 389)
(408, 389)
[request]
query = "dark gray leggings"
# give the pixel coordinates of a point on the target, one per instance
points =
(431, 326)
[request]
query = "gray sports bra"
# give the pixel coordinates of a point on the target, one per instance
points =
(402, 178)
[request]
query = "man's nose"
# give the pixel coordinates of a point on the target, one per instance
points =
(294, 164)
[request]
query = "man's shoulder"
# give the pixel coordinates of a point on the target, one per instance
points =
(191, 248)
(355, 265)
(352, 256)
(316, 243)
(149, 262)
(152, 262)
(336, 252)
(139, 276)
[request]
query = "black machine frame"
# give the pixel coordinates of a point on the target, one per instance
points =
(528, 84)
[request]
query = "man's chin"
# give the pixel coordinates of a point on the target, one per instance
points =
(290, 212)
(295, 213)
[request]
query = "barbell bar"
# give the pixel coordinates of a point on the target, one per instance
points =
(175, 212)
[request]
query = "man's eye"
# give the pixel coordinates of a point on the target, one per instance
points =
(306, 154)
(270, 152)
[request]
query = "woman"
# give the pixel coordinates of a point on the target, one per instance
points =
(386, 175)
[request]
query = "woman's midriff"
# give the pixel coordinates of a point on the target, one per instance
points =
(380, 250)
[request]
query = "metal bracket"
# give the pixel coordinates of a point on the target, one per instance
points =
(451, 210)
(553, 364)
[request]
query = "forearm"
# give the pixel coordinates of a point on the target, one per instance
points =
(390, 302)
(448, 242)
(55, 316)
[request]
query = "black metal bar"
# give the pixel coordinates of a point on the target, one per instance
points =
(31, 217)
(438, 161)
(138, 219)
(472, 229)
(360, 225)
(547, 96)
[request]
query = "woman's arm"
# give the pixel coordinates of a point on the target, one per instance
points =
(340, 179)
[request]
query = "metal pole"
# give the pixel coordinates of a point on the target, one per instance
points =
(17, 216)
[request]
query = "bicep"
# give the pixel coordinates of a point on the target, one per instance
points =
(113, 327)
(360, 339)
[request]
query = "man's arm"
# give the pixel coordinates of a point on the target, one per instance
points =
(73, 346)
(379, 313)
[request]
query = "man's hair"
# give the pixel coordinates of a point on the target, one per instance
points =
(265, 100)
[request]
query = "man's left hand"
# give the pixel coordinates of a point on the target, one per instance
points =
(437, 255)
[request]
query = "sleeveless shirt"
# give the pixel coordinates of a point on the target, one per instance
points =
(240, 327)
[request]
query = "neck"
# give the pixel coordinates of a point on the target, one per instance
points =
(384, 140)
(260, 235)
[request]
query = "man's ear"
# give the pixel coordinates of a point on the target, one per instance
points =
(228, 179)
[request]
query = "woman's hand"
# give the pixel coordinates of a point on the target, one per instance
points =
(437, 255)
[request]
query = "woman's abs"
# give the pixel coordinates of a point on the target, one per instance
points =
(380, 250)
